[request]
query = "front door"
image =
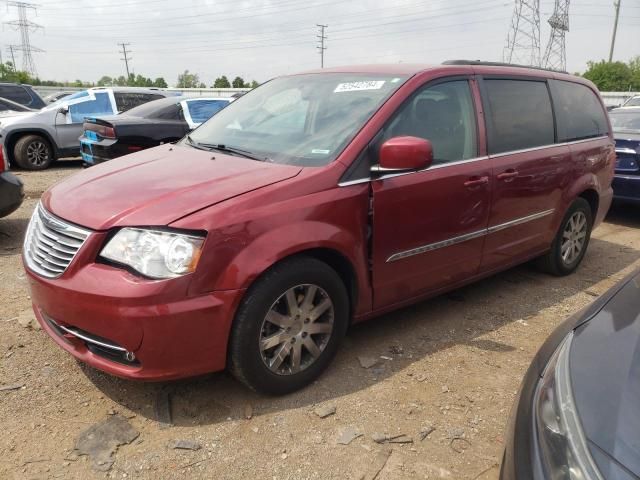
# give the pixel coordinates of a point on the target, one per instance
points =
(82, 105)
(429, 226)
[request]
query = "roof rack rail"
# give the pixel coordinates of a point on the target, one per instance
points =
(498, 64)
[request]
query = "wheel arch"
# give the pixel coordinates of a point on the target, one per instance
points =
(334, 259)
(13, 137)
(593, 199)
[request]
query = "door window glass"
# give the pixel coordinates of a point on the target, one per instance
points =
(203, 110)
(16, 93)
(100, 105)
(580, 114)
(520, 115)
(442, 114)
(128, 100)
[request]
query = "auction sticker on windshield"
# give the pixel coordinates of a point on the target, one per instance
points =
(357, 86)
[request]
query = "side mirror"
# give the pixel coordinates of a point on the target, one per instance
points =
(400, 154)
(63, 110)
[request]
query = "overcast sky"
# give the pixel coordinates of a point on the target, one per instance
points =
(260, 39)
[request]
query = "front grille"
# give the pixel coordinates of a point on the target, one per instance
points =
(51, 243)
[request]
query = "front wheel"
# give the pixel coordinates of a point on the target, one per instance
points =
(33, 152)
(571, 241)
(288, 327)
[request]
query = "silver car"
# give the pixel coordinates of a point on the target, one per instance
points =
(35, 139)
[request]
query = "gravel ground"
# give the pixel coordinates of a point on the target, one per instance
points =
(452, 364)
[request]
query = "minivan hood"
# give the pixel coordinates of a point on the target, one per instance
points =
(157, 186)
(605, 377)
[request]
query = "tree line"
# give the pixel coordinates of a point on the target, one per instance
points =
(192, 80)
(615, 76)
(8, 73)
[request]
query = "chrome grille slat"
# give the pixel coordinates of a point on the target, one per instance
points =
(51, 243)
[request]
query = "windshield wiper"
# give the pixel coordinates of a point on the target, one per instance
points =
(227, 149)
(197, 145)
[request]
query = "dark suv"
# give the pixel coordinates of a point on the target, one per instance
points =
(22, 94)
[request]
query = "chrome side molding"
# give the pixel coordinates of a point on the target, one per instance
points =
(467, 236)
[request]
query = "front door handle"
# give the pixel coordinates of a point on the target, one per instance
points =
(508, 175)
(476, 181)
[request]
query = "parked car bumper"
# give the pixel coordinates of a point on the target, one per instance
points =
(98, 151)
(134, 328)
(11, 193)
(626, 187)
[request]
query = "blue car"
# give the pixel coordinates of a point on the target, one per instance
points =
(626, 130)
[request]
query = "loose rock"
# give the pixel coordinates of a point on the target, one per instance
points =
(184, 445)
(324, 411)
(367, 362)
(348, 435)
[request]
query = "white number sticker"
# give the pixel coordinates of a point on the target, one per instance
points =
(357, 86)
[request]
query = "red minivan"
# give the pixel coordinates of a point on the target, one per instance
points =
(315, 201)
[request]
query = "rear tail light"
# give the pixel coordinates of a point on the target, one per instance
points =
(103, 131)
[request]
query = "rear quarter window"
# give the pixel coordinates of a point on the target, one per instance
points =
(519, 114)
(578, 110)
(203, 110)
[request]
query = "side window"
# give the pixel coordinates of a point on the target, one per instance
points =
(203, 110)
(519, 115)
(172, 112)
(579, 112)
(16, 93)
(128, 100)
(443, 114)
(100, 105)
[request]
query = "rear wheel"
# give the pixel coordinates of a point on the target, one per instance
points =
(33, 152)
(571, 241)
(288, 327)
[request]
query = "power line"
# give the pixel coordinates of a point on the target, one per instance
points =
(321, 38)
(523, 40)
(616, 4)
(25, 26)
(126, 59)
(555, 55)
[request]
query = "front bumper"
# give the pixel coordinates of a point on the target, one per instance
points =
(170, 334)
(626, 187)
(11, 193)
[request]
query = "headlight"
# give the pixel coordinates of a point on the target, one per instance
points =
(155, 253)
(565, 454)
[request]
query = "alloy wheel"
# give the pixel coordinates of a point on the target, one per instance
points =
(573, 237)
(37, 153)
(297, 329)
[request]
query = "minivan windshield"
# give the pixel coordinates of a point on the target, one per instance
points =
(304, 120)
(625, 121)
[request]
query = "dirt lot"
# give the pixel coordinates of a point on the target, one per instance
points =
(453, 363)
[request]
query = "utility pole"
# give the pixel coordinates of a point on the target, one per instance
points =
(126, 58)
(322, 37)
(25, 26)
(616, 4)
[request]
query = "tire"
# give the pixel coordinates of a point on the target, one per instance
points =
(33, 152)
(265, 318)
(557, 261)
